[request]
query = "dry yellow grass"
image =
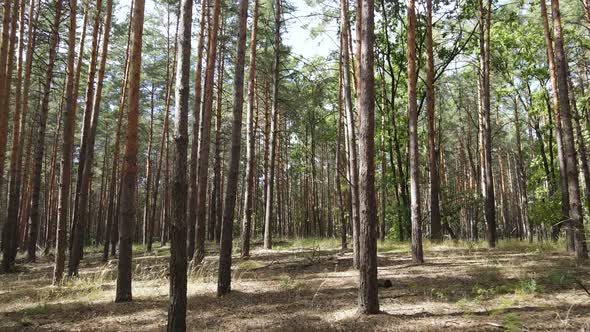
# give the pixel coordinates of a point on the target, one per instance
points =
(309, 285)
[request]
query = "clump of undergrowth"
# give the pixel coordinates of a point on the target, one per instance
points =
(291, 284)
(560, 278)
(206, 271)
(38, 309)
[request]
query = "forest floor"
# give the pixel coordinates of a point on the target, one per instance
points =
(308, 285)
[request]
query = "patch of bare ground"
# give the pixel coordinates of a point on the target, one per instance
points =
(313, 287)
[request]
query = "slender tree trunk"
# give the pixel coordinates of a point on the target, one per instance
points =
(251, 139)
(192, 194)
(148, 171)
(350, 132)
(205, 136)
(435, 226)
(487, 183)
(558, 132)
(7, 42)
(215, 206)
(87, 150)
(69, 121)
(417, 254)
(178, 249)
(129, 180)
(339, 161)
(522, 178)
(273, 127)
(114, 194)
(15, 159)
(224, 279)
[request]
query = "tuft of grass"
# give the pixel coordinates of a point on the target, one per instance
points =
(560, 278)
(527, 285)
(39, 309)
(288, 283)
(247, 265)
(511, 322)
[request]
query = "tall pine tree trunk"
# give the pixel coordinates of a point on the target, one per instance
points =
(435, 226)
(368, 298)
(573, 184)
(417, 254)
(268, 212)
(205, 136)
(251, 139)
(224, 279)
(127, 216)
(192, 194)
(178, 249)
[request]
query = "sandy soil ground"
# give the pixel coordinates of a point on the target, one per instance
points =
(514, 287)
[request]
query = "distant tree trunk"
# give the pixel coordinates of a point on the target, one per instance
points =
(417, 254)
(216, 194)
(86, 154)
(224, 279)
(573, 185)
(340, 160)
(368, 298)
(435, 226)
(192, 194)
(162, 153)
(148, 170)
(522, 179)
(205, 135)
(251, 139)
(127, 217)
(350, 131)
(273, 127)
(178, 249)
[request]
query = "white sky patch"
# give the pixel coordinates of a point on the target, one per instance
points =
(298, 35)
(298, 24)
